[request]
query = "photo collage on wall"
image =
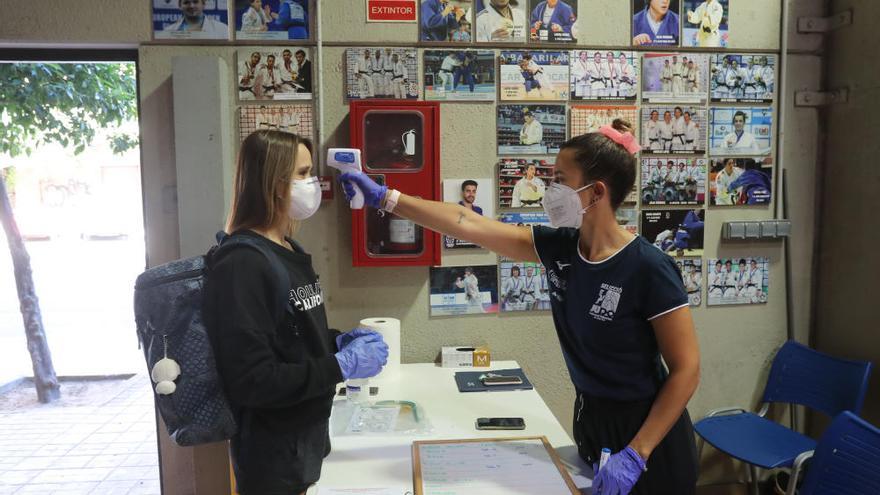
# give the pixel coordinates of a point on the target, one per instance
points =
(705, 120)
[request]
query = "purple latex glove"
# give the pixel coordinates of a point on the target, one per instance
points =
(363, 357)
(619, 474)
(374, 194)
(344, 339)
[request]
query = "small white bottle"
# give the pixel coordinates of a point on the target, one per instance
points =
(357, 390)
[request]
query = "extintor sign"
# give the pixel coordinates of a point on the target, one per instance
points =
(391, 11)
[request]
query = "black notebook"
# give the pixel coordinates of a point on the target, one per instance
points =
(470, 381)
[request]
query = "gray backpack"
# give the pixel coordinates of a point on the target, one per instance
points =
(168, 307)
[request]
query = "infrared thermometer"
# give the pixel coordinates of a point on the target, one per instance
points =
(348, 160)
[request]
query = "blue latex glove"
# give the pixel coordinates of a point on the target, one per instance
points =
(344, 339)
(363, 357)
(619, 474)
(374, 194)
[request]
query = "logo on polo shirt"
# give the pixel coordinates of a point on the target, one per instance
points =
(307, 297)
(606, 304)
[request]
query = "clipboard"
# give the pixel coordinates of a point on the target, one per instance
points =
(558, 477)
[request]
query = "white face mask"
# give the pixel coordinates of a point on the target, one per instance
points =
(563, 205)
(305, 198)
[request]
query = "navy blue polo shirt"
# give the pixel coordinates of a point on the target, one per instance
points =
(603, 312)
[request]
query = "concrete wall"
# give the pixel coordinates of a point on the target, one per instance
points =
(846, 322)
(737, 344)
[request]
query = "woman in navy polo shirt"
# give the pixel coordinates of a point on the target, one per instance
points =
(618, 305)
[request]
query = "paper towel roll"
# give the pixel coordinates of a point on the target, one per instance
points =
(389, 328)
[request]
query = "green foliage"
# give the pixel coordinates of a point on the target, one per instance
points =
(64, 103)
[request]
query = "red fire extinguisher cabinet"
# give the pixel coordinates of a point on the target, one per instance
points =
(400, 147)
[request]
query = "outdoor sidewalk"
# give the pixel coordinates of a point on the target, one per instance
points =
(105, 447)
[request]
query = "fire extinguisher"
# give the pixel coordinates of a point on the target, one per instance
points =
(403, 235)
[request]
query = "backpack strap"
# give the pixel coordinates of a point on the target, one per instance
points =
(226, 243)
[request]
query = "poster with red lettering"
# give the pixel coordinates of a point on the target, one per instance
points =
(391, 10)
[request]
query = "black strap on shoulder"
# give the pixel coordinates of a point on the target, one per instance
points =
(228, 242)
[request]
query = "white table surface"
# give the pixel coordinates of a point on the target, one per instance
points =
(386, 461)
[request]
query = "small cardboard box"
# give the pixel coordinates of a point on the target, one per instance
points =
(464, 357)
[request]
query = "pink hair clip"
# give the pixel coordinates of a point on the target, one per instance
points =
(625, 139)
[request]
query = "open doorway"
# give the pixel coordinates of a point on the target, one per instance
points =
(70, 165)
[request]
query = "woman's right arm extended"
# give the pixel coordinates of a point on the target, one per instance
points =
(447, 218)
(454, 220)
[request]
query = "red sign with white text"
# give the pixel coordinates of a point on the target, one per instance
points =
(391, 11)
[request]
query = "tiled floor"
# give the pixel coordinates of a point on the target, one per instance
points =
(105, 448)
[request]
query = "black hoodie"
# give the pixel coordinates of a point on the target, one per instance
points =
(277, 365)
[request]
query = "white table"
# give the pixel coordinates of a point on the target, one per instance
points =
(386, 461)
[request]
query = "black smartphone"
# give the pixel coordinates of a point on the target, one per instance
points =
(501, 424)
(501, 380)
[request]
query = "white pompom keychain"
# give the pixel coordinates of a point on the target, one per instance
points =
(164, 372)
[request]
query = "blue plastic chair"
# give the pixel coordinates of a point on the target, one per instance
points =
(799, 375)
(846, 460)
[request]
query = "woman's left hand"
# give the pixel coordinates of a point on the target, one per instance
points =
(619, 474)
(346, 338)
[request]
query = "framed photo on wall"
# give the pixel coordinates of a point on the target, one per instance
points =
(604, 75)
(501, 21)
(705, 23)
(675, 77)
(448, 21)
(675, 232)
(459, 75)
(383, 73)
(673, 181)
(276, 74)
(743, 280)
(745, 78)
(272, 19)
(463, 290)
(740, 181)
(530, 129)
(678, 129)
(534, 76)
(296, 119)
(585, 119)
(475, 194)
(553, 21)
(740, 131)
(522, 182)
(655, 23)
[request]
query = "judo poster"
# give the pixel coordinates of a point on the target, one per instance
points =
(386, 73)
(525, 218)
(676, 129)
(742, 78)
(446, 20)
(740, 131)
(553, 21)
(190, 19)
(628, 218)
(530, 129)
(586, 119)
(459, 75)
(675, 77)
(501, 21)
(277, 74)
(272, 19)
(534, 76)
(463, 290)
(296, 119)
(523, 286)
(738, 281)
(473, 194)
(675, 232)
(692, 278)
(655, 23)
(705, 23)
(673, 181)
(522, 183)
(740, 181)
(604, 75)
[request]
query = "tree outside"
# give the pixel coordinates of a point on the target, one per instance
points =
(60, 125)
